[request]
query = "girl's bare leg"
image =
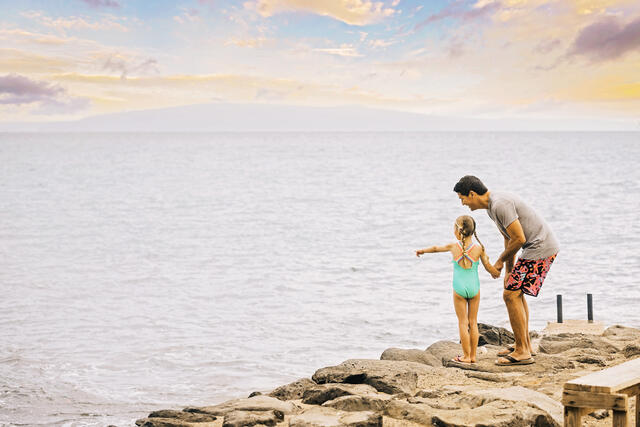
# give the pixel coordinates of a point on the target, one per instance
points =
(460, 305)
(474, 303)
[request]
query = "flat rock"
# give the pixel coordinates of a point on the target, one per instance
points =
(321, 416)
(322, 392)
(411, 355)
(386, 376)
(171, 418)
(256, 403)
(171, 422)
(294, 390)
(544, 363)
(252, 418)
(622, 333)
(554, 344)
(370, 402)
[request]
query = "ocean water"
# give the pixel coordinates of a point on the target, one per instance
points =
(148, 271)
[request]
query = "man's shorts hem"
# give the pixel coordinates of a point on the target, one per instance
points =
(529, 274)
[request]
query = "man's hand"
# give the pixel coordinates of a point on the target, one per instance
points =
(419, 252)
(499, 265)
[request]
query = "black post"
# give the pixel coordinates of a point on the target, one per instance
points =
(559, 304)
(590, 308)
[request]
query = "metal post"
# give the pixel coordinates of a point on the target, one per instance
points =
(559, 304)
(590, 308)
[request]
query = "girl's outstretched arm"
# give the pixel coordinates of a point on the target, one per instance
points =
(495, 273)
(433, 249)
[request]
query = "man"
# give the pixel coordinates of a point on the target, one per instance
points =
(522, 228)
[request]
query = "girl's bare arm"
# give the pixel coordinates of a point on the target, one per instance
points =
(495, 273)
(433, 249)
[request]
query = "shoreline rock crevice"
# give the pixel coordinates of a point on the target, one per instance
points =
(412, 387)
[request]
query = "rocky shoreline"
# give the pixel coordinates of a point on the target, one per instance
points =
(424, 387)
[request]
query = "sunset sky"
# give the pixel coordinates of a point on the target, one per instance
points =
(67, 59)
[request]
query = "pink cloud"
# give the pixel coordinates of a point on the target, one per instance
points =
(19, 90)
(456, 11)
(102, 3)
(607, 39)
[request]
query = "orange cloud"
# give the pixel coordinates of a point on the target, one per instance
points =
(352, 12)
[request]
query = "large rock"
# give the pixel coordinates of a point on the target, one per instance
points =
(412, 355)
(554, 344)
(386, 376)
(521, 394)
(494, 335)
(444, 350)
(171, 418)
(328, 417)
(292, 391)
(252, 418)
(498, 413)
(323, 392)
(256, 403)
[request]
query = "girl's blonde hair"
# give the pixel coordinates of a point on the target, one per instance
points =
(466, 226)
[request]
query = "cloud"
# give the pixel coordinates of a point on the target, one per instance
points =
(457, 11)
(74, 22)
(102, 3)
(44, 39)
(49, 99)
(607, 39)
(125, 67)
(251, 43)
(188, 16)
(343, 50)
(352, 12)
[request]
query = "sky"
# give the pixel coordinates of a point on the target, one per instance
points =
(575, 59)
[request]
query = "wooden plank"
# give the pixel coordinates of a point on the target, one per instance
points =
(572, 417)
(620, 419)
(634, 390)
(582, 399)
(608, 380)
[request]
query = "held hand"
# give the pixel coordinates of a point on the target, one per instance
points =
(498, 266)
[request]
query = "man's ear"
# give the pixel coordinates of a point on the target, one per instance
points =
(472, 193)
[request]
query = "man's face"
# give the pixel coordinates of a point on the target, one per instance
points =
(471, 201)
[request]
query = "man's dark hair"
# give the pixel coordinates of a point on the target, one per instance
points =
(470, 183)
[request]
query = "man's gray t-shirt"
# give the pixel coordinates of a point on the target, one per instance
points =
(504, 208)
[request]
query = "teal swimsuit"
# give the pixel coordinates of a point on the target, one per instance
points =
(466, 282)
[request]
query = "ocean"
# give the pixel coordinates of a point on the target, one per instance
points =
(153, 271)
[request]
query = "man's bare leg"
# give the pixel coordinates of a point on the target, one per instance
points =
(518, 320)
(526, 312)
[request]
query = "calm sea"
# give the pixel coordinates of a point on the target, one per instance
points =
(147, 271)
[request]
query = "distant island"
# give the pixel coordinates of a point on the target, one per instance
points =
(221, 117)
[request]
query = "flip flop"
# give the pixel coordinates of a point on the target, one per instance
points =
(513, 361)
(459, 360)
(510, 350)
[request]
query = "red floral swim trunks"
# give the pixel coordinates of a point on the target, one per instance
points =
(528, 275)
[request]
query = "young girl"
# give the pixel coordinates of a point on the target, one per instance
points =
(466, 284)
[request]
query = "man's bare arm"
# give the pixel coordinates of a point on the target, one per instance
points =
(512, 245)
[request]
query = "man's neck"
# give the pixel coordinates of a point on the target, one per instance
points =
(484, 200)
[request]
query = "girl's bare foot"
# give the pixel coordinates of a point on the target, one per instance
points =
(461, 359)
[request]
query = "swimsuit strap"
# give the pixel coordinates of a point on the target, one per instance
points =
(464, 253)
